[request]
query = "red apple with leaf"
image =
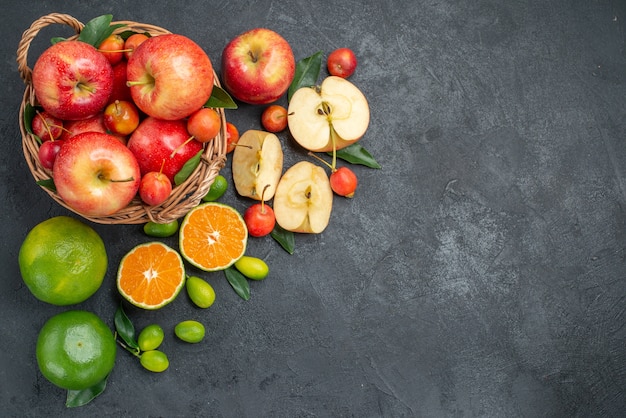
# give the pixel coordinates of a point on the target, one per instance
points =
(170, 76)
(72, 80)
(95, 174)
(157, 140)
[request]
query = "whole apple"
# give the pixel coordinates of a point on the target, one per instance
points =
(258, 66)
(95, 174)
(166, 143)
(341, 62)
(170, 76)
(72, 80)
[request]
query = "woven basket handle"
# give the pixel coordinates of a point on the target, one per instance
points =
(30, 33)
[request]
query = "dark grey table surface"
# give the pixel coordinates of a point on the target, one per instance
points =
(480, 272)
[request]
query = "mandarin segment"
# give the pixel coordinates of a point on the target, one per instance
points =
(213, 236)
(151, 275)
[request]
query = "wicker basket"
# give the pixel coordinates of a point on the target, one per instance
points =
(183, 197)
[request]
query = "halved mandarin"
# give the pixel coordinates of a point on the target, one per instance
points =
(213, 236)
(151, 275)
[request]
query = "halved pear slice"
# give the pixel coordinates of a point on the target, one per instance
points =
(257, 163)
(303, 200)
(336, 113)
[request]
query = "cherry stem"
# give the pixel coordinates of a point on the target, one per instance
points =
(181, 146)
(263, 198)
(322, 160)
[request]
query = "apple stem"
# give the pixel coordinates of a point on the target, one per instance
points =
(84, 87)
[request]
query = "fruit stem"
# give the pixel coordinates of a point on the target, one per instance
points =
(322, 160)
(85, 87)
(180, 146)
(263, 198)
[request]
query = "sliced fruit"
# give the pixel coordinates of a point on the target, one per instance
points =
(336, 113)
(303, 200)
(151, 275)
(257, 163)
(213, 236)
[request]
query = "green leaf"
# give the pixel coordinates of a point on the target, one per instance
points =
(356, 154)
(48, 184)
(188, 168)
(307, 73)
(285, 238)
(57, 39)
(83, 397)
(29, 114)
(125, 329)
(97, 30)
(128, 33)
(238, 282)
(220, 98)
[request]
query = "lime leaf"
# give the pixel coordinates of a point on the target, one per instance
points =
(307, 73)
(126, 330)
(97, 30)
(285, 238)
(83, 397)
(48, 184)
(188, 168)
(220, 98)
(356, 154)
(238, 282)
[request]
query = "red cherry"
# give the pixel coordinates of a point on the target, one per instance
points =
(343, 181)
(155, 188)
(260, 218)
(48, 152)
(274, 118)
(342, 62)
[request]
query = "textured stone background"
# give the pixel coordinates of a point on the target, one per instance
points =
(480, 272)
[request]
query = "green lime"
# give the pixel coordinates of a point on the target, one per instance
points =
(154, 229)
(252, 267)
(217, 189)
(63, 261)
(150, 338)
(190, 331)
(200, 292)
(154, 360)
(75, 350)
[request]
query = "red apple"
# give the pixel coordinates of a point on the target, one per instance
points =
(95, 174)
(120, 90)
(121, 117)
(154, 188)
(232, 136)
(258, 66)
(157, 140)
(170, 76)
(72, 80)
(342, 62)
(132, 42)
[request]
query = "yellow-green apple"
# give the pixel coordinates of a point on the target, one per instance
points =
(95, 174)
(303, 200)
(332, 115)
(170, 76)
(257, 164)
(72, 80)
(258, 66)
(162, 145)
